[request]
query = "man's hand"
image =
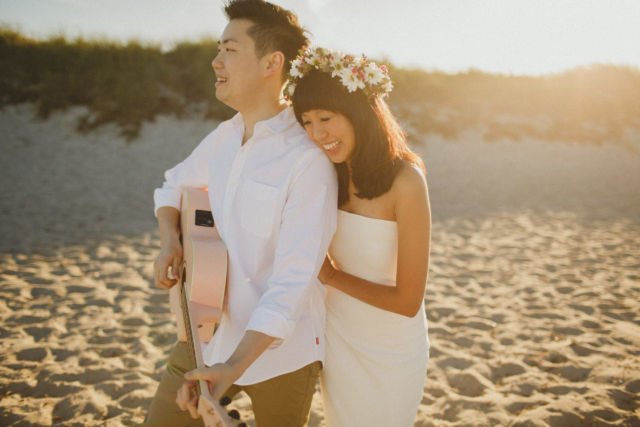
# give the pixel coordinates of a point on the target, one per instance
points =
(170, 257)
(187, 398)
(219, 378)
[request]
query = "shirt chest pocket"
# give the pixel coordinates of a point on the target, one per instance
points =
(258, 207)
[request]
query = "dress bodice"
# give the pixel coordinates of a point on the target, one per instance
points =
(366, 247)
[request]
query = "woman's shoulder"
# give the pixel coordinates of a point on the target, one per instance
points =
(410, 195)
(410, 178)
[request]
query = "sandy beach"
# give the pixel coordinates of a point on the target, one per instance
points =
(533, 296)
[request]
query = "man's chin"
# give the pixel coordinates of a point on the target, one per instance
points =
(227, 101)
(224, 99)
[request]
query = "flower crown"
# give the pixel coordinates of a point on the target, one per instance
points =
(354, 73)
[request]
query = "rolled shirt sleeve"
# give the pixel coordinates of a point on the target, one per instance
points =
(308, 223)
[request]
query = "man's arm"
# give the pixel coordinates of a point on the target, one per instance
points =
(222, 375)
(191, 172)
(170, 248)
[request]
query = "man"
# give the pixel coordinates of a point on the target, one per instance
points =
(274, 198)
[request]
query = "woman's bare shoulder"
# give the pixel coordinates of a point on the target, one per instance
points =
(410, 180)
(410, 194)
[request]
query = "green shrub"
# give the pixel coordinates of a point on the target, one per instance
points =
(130, 83)
(126, 84)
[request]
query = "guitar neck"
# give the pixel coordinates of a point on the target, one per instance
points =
(213, 415)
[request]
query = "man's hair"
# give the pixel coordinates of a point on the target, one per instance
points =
(274, 28)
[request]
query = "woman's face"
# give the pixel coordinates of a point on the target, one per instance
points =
(332, 132)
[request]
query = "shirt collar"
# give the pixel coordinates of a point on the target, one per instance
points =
(273, 125)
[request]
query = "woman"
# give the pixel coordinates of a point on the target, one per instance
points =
(377, 345)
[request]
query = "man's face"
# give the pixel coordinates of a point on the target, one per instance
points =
(238, 70)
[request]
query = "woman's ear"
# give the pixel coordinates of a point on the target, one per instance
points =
(275, 63)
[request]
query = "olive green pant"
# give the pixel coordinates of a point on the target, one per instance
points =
(282, 401)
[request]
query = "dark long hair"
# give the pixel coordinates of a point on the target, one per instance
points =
(381, 146)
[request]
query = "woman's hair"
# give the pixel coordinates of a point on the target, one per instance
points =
(274, 28)
(381, 147)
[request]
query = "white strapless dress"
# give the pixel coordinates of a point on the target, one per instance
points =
(376, 361)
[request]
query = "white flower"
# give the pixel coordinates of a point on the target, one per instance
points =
(291, 88)
(360, 61)
(295, 71)
(336, 59)
(374, 74)
(335, 71)
(312, 57)
(350, 79)
(336, 63)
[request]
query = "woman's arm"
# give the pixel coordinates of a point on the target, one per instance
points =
(413, 216)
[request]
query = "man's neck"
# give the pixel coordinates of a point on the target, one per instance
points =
(260, 111)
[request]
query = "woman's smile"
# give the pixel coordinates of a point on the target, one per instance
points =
(332, 132)
(331, 146)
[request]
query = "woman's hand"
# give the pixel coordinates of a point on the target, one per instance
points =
(327, 271)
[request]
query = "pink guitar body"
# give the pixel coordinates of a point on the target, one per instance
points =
(205, 260)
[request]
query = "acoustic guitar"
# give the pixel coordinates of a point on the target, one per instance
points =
(201, 294)
(205, 262)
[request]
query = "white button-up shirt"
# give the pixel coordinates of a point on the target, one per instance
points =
(274, 202)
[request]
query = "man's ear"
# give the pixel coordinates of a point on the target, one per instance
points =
(275, 63)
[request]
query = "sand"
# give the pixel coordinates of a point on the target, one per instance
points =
(533, 296)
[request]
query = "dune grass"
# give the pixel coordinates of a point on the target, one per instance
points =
(593, 104)
(130, 83)
(126, 84)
